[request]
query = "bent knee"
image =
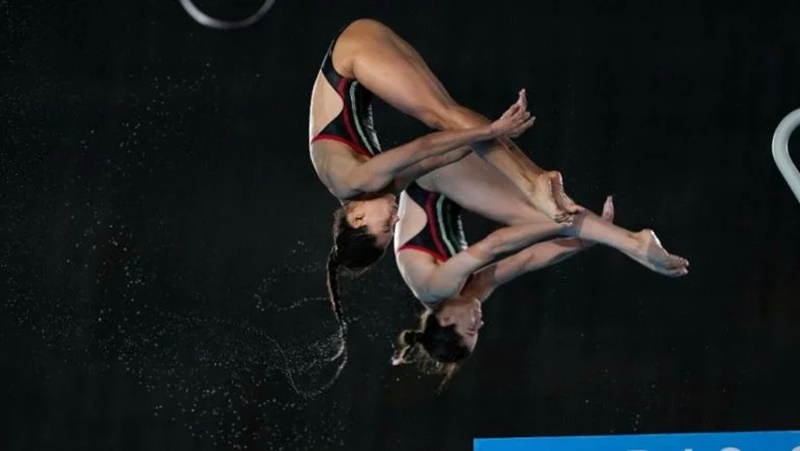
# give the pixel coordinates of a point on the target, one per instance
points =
(369, 22)
(368, 26)
(360, 34)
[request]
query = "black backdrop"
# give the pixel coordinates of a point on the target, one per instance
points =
(163, 234)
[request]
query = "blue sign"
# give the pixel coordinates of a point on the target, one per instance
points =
(736, 441)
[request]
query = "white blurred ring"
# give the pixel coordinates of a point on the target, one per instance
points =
(204, 19)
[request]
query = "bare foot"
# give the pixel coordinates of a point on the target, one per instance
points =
(550, 199)
(652, 254)
(543, 200)
(564, 201)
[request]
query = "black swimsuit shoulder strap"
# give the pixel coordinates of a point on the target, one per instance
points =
(333, 77)
(418, 194)
(442, 235)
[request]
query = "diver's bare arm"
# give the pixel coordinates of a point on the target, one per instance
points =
(377, 173)
(445, 280)
(449, 277)
(534, 257)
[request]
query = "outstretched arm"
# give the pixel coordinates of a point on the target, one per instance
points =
(446, 280)
(407, 176)
(535, 257)
(422, 155)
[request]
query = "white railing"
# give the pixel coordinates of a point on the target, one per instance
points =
(780, 151)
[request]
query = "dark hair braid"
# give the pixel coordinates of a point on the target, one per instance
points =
(333, 286)
(354, 251)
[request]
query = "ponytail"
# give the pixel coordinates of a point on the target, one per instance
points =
(332, 268)
(333, 285)
(354, 251)
(434, 348)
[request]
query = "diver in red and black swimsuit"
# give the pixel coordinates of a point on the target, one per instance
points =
(443, 234)
(353, 126)
(348, 158)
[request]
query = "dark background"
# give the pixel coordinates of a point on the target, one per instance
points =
(163, 234)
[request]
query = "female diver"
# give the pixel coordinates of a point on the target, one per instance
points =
(366, 59)
(453, 280)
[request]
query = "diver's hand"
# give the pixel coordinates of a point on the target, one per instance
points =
(515, 121)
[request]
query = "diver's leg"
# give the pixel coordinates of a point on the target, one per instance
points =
(390, 68)
(478, 187)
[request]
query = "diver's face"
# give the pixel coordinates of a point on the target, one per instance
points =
(465, 313)
(379, 215)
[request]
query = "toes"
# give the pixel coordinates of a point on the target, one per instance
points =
(563, 218)
(675, 272)
(682, 261)
(678, 261)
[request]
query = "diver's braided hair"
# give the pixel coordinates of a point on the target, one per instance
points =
(333, 286)
(354, 251)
